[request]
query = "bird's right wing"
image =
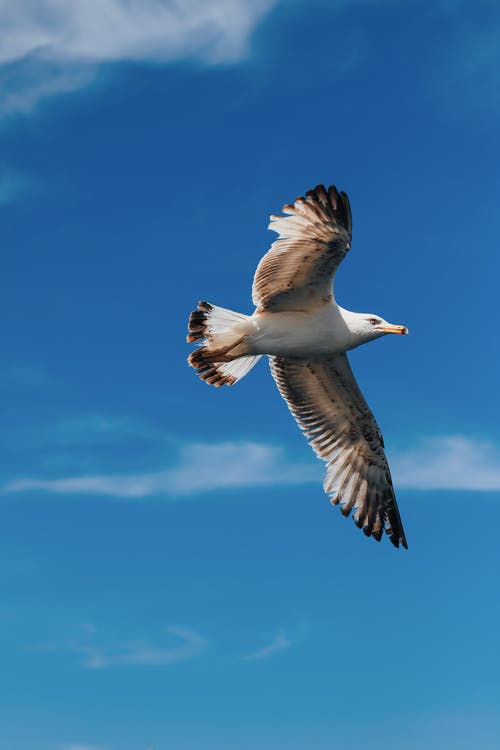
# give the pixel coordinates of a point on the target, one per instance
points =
(297, 272)
(325, 399)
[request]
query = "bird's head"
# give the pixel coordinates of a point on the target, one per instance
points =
(366, 327)
(373, 326)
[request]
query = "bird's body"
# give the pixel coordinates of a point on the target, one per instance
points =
(299, 325)
(318, 332)
(315, 333)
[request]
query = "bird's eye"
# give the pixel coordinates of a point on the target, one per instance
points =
(374, 321)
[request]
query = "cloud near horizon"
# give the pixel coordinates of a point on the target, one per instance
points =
(52, 46)
(441, 463)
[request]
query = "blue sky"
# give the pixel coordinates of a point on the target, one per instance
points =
(171, 573)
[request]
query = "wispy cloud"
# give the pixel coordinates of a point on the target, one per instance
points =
(52, 46)
(28, 80)
(138, 653)
(279, 643)
(202, 467)
(449, 462)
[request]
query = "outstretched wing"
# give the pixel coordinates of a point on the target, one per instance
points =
(324, 398)
(297, 272)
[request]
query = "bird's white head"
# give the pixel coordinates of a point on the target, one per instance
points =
(373, 327)
(366, 327)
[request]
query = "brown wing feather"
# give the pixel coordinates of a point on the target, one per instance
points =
(314, 236)
(324, 398)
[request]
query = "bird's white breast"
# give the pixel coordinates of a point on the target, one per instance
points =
(299, 334)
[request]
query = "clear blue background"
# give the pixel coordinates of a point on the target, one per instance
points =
(148, 189)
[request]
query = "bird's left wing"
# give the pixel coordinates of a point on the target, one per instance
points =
(314, 236)
(325, 399)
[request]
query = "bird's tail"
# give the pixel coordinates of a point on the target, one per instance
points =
(220, 359)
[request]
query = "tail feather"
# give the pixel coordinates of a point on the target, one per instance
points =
(220, 373)
(197, 322)
(217, 328)
(210, 321)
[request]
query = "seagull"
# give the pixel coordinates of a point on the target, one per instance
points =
(306, 334)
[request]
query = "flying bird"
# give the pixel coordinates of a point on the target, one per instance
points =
(306, 334)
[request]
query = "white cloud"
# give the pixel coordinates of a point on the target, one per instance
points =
(109, 30)
(50, 47)
(449, 463)
(53, 46)
(441, 463)
(132, 653)
(279, 643)
(203, 467)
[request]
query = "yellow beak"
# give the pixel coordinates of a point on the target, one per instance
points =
(393, 329)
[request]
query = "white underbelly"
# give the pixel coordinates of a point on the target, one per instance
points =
(297, 334)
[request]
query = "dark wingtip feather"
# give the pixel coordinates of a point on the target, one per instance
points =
(372, 524)
(332, 202)
(399, 540)
(346, 212)
(333, 196)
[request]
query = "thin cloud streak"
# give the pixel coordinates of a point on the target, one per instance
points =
(202, 468)
(141, 654)
(133, 653)
(441, 463)
(280, 643)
